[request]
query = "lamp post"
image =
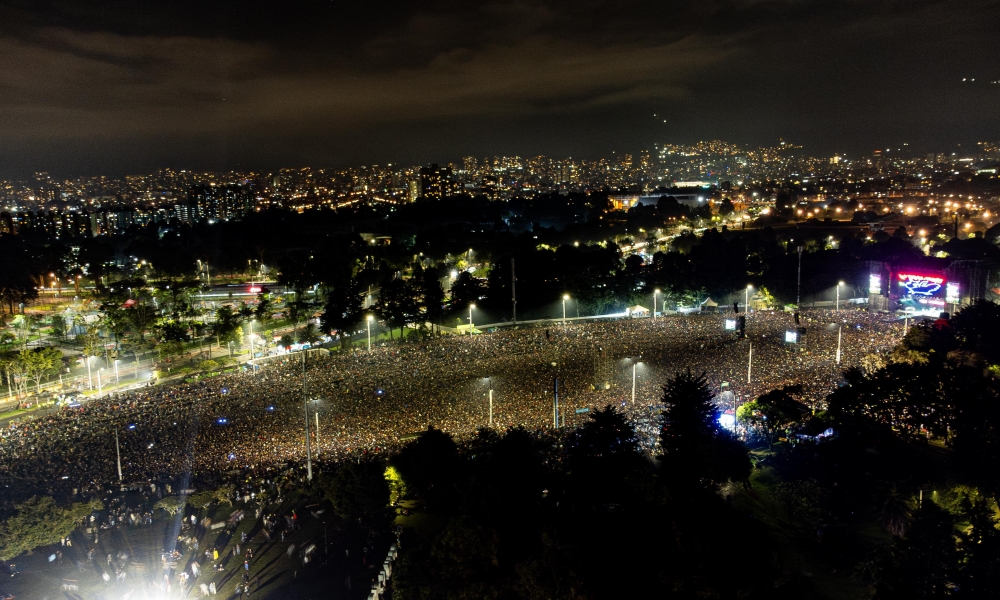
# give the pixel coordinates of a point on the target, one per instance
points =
(635, 364)
(746, 301)
(316, 414)
(836, 306)
(90, 380)
(305, 410)
(490, 394)
(117, 382)
(565, 298)
(369, 321)
(471, 306)
(100, 391)
(839, 331)
(118, 453)
(655, 293)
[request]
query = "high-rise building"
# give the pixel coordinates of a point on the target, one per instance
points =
(220, 202)
(435, 182)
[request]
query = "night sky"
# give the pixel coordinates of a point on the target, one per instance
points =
(129, 87)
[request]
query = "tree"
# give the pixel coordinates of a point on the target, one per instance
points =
(40, 363)
(343, 310)
(224, 494)
(264, 307)
(773, 412)
(16, 286)
(227, 326)
(39, 521)
(172, 331)
(360, 491)
(10, 368)
(171, 504)
(924, 564)
(980, 545)
(430, 466)
(308, 334)
(246, 311)
(605, 465)
(696, 450)
(58, 325)
(431, 295)
(140, 316)
(466, 290)
(726, 208)
(398, 303)
(893, 512)
(201, 499)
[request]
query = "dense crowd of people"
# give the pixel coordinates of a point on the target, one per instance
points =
(369, 401)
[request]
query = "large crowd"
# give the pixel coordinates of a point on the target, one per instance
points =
(369, 401)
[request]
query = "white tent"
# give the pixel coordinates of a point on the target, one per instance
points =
(710, 303)
(641, 311)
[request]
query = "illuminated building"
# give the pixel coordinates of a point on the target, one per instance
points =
(435, 182)
(220, 203)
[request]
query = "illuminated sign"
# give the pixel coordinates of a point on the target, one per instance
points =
(730, 324)
(920, 285)
(792, 337)
(951, 293)
(874, 284)
(254, 289)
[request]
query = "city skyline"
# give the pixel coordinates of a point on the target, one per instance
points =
(212, 88)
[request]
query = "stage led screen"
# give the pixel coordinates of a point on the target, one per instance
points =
(874, 284)
(921, 289)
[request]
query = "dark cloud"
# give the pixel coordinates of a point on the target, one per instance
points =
(121, 87)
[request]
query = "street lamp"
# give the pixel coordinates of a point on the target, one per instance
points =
(655, 292)
(471, 306)
(370, 331)
(490, 381)
(837, 304)
(746, 302)
(565, 298)
(635, 363)
(117, 382)
(250, 337)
